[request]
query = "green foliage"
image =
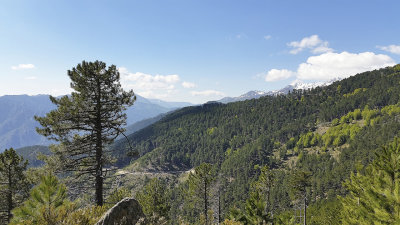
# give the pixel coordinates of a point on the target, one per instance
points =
(397, 68)
(199, 190)
(154, 199)
(47, 204)
(356, 91)
(325, 212)
(88, 120)
(374, 195)
(85, 216)
(391, 110)
(340, 134)
(299, 182)
(247, 132)
(254, 212)
(308, 140)
(117, 195)
(231, 222)
(257, 209)
(210, 131)
(14, 185)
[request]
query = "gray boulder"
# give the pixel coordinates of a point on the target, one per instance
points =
(125, 212)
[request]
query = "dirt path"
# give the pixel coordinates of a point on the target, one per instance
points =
(124, 172)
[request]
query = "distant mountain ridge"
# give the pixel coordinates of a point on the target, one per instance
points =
(299, 85)
(17, 125)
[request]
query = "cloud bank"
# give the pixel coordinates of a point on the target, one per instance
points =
(332, 65)
(275, 75)
(188, 84)
(147, 85)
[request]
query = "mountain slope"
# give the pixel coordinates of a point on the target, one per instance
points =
(180, 135)
(30, 153)
(239, 136)
(17, 125)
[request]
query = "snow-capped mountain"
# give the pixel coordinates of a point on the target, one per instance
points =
(248, 95)
(297, 85)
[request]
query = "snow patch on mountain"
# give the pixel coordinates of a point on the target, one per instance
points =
(296, 85)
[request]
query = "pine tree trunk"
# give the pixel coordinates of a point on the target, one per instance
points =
(99, 150)
(219, 207)
(205, 201)
(9, 196)
(305, 211)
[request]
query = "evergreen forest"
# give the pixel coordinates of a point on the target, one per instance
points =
(328, 155)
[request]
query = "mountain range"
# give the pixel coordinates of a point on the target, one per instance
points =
(17, 125)
(298, 85)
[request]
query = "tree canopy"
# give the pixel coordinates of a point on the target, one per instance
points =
(86, 122)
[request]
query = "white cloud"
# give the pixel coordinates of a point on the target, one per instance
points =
(395, 49)
(313, 43)
(147, 85)
(31, 78)
(267, 37)
(23, 67)
(140, 80)
(207, 93)
(188, 84)
(275, 75)
(332, 65)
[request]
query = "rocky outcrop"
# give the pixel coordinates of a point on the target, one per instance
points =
(125, 212)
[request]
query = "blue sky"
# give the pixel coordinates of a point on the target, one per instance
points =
(186, 50)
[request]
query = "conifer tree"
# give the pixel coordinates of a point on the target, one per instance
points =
(254, 211)
(154, 199)
(200, 187)
(300, 181)
(88, 120)
(257, 208)
(374, 196)
(47, 205)
(263, 185)
(13, 182)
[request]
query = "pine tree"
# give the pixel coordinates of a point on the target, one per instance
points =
(299, 182)
(200, 188)
(263, 185)
(374, 195)
(88, 120)
(154, 199)
(254, 211)
(47, 205)
(257, 208)
(14, 185)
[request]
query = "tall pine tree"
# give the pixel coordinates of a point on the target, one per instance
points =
(88, 120)
(300, 181)
(200, 189)
(257, 208)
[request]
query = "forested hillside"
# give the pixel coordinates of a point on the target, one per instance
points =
(325, 131)
(328, 155)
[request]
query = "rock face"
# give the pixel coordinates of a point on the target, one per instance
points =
(125, 212)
